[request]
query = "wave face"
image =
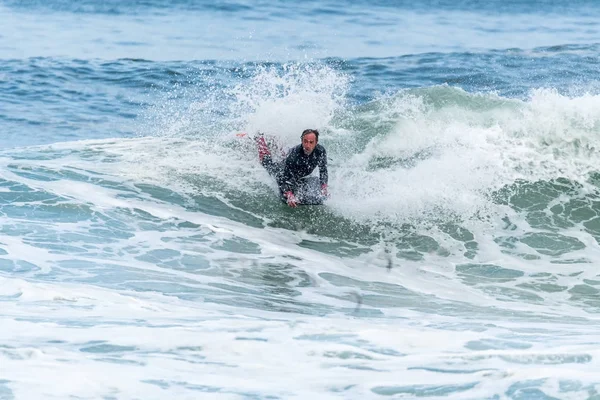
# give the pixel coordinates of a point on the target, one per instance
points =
(144, 252)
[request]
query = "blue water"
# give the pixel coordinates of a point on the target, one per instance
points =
(144, 252)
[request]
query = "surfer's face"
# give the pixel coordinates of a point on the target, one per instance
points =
(309, 142)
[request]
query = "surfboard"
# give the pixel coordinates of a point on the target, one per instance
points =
(309, 193)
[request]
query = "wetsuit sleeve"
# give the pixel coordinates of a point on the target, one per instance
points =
(286, 180)
(323, 175)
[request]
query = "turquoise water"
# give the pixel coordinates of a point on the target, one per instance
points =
(144, 253)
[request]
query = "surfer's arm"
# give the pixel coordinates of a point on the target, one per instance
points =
(289, 176)
(323, 174)
(286, 182)
(291, 199)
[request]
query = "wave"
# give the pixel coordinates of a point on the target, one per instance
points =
(426, 171)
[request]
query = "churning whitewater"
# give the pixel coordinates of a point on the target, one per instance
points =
(144, 252)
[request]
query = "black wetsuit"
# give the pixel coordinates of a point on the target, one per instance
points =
(297, 165)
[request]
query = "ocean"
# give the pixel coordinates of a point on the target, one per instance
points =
(144, 253)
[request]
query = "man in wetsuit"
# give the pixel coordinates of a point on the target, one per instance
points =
(297, 165)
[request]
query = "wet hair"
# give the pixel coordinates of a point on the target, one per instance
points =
(307, 131)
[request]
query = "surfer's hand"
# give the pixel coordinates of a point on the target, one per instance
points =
(324, 190)
(291, 199)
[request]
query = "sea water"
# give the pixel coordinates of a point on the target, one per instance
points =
(144, 253)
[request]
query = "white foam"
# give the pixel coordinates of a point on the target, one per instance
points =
(215, 328)
(450, 159)
(284, 103)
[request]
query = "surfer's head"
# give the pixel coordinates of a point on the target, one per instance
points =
(310, 138)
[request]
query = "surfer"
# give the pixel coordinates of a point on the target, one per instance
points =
(291, 173)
